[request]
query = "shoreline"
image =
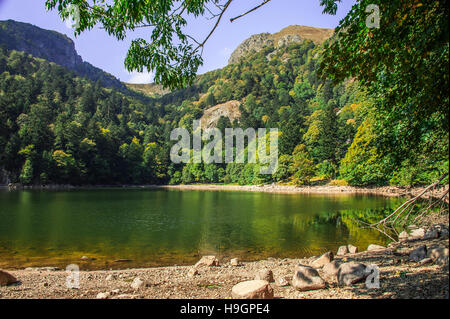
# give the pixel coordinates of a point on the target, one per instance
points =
(401, 277)
(388, 191)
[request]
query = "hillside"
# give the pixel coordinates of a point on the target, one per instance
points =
(57, 127)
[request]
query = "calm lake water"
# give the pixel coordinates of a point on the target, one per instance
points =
(150, 227)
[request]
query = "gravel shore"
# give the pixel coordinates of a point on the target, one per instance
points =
(399, 278)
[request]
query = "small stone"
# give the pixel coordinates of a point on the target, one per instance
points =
(110, 277)
(103, 295)
(403, 236)
(192, 272)
(208, 261)
(234, 262)
(418, 254)
(252, 289)
(85, 258)
(137, 283)
(307, 278)
(115, 292)
(351, 273)
(331, 269)
(343, 250)
(281, 282)
(6, 278)
(323, 260)
(373, 247)
(265, 274)
(352, 249)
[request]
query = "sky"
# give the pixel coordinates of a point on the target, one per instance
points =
(107, 53)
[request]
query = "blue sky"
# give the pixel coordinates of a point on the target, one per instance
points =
(105, 52)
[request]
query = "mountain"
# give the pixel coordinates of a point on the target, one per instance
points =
(288, 35)
(54, 47)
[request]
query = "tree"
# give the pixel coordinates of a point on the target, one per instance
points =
(171, 53)
(404, 64)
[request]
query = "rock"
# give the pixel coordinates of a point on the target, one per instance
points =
(208, 261)
(351, 273)
(418, 254)
(103, 295)
(252, 289)
(418, 233)
(343, 250)
(323, 260)
(110, 277)
(137, 283)
(431, 233)
(373, 247)
(403, 236)
(265, 274)
(6, 278)
(439, 256)
(281, 282)
(331, 269)
(352, 249)
(85, 258)
(234, 262)
(192, 272)
(115, 292)
(307, 278)
(425, 261)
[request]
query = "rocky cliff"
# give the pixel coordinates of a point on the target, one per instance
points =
(286, 36)
(54, 47)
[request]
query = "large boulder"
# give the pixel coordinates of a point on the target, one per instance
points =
(351, 273)
(331, 269)
(432, 233)
(418, 233)
(208, 261)
(252, 289)
(307, 278)
(6, 278)
(323, 260)
(418, 254)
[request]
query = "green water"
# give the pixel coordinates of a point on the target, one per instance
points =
(150, 227)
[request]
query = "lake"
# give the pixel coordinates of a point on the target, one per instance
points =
(124, 228)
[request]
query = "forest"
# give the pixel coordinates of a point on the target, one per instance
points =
(59, 128)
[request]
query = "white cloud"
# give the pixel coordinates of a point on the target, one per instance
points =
(141, 78)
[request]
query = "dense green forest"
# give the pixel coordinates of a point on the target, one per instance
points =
(58, 128)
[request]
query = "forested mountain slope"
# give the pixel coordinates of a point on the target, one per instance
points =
(56, 127)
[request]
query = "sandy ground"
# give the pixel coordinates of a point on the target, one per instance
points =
(399, 278)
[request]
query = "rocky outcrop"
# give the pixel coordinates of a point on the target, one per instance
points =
(212, 115)
(287, 36)
(253, 44)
